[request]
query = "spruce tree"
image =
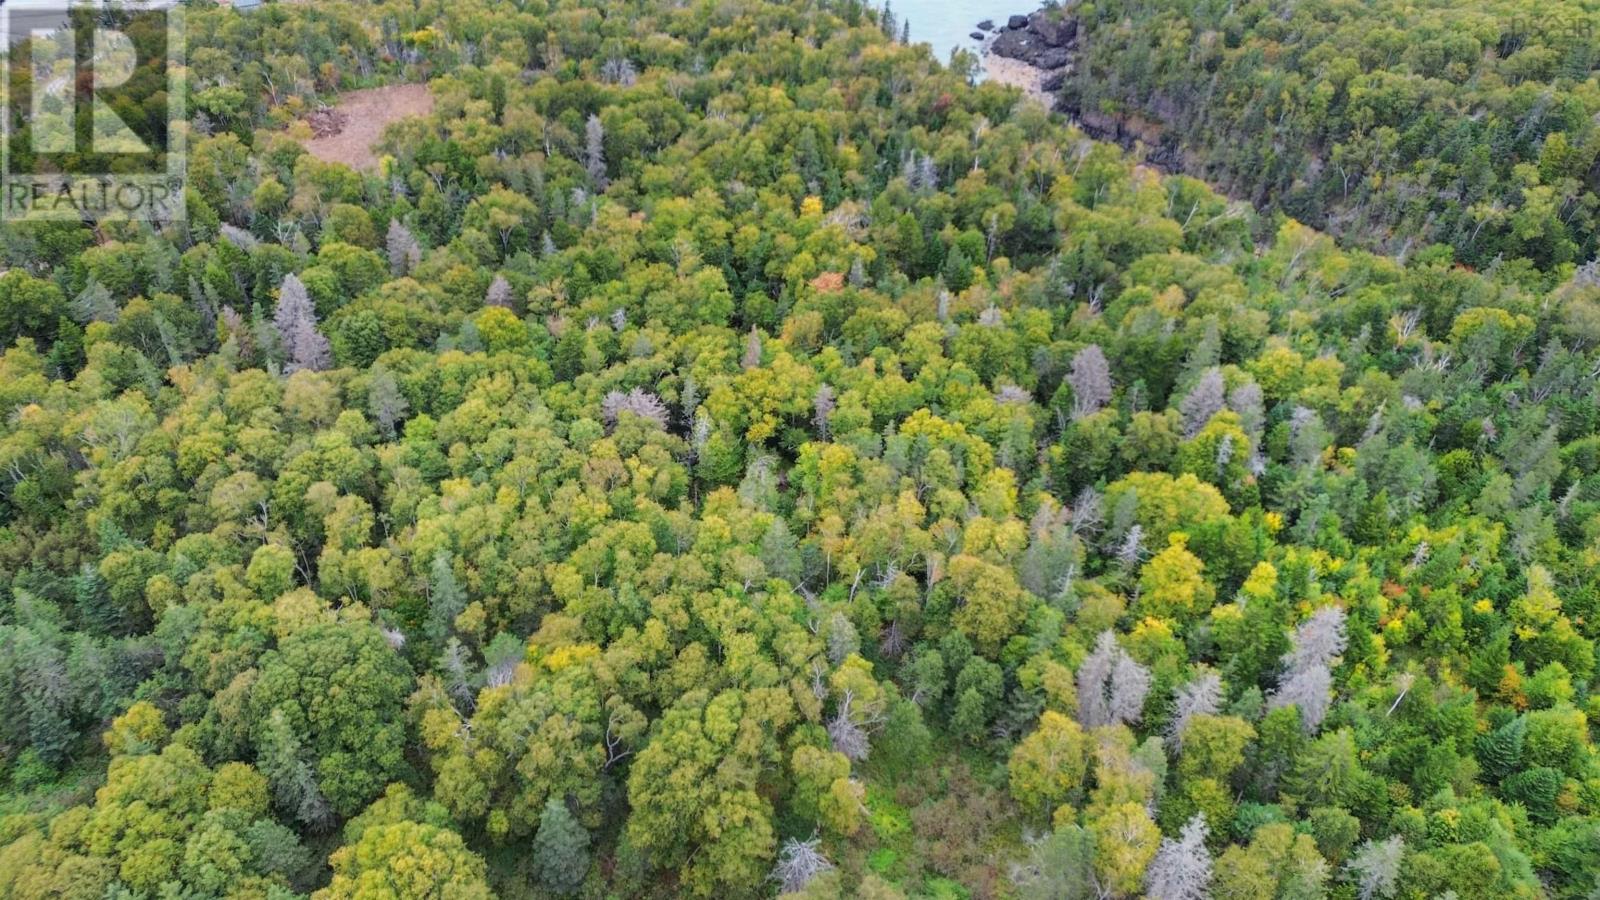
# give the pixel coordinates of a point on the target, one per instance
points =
(560, 848)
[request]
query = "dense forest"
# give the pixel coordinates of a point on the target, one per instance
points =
(1394, 123)
(723, 451)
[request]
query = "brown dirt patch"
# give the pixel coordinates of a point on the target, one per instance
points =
(346, 132)
(327, 122)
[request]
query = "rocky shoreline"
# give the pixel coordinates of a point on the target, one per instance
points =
(1044, 41)
(1037, 52)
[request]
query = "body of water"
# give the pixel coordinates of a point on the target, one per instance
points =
(947, 24)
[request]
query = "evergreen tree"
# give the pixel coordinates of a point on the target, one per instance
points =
(560, 848)
(294, 784)
(446, 598)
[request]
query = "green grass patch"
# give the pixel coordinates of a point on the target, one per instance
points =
(889, 820)
(885, 861)
(945, 889)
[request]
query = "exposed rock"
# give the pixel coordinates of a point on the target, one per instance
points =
(1013, 45)
(1160, 149)
(1052, 57)
(1043, 40)
(1028, 47)
(977, 35)
(1054, 31)
(1052, 81)
(986, 25)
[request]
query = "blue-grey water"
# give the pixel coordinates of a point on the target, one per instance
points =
(945, 24)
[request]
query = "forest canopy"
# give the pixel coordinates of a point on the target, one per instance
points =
(1393, 124)
(722, 451)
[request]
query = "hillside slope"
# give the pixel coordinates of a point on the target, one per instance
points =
(1392, 124)
(719, 451)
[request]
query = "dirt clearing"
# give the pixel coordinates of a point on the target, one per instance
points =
(356, 121)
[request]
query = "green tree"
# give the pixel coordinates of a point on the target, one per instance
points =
(560, 848)
(340, 689)
(29, 308)
(406, 861)
(1049, 764)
